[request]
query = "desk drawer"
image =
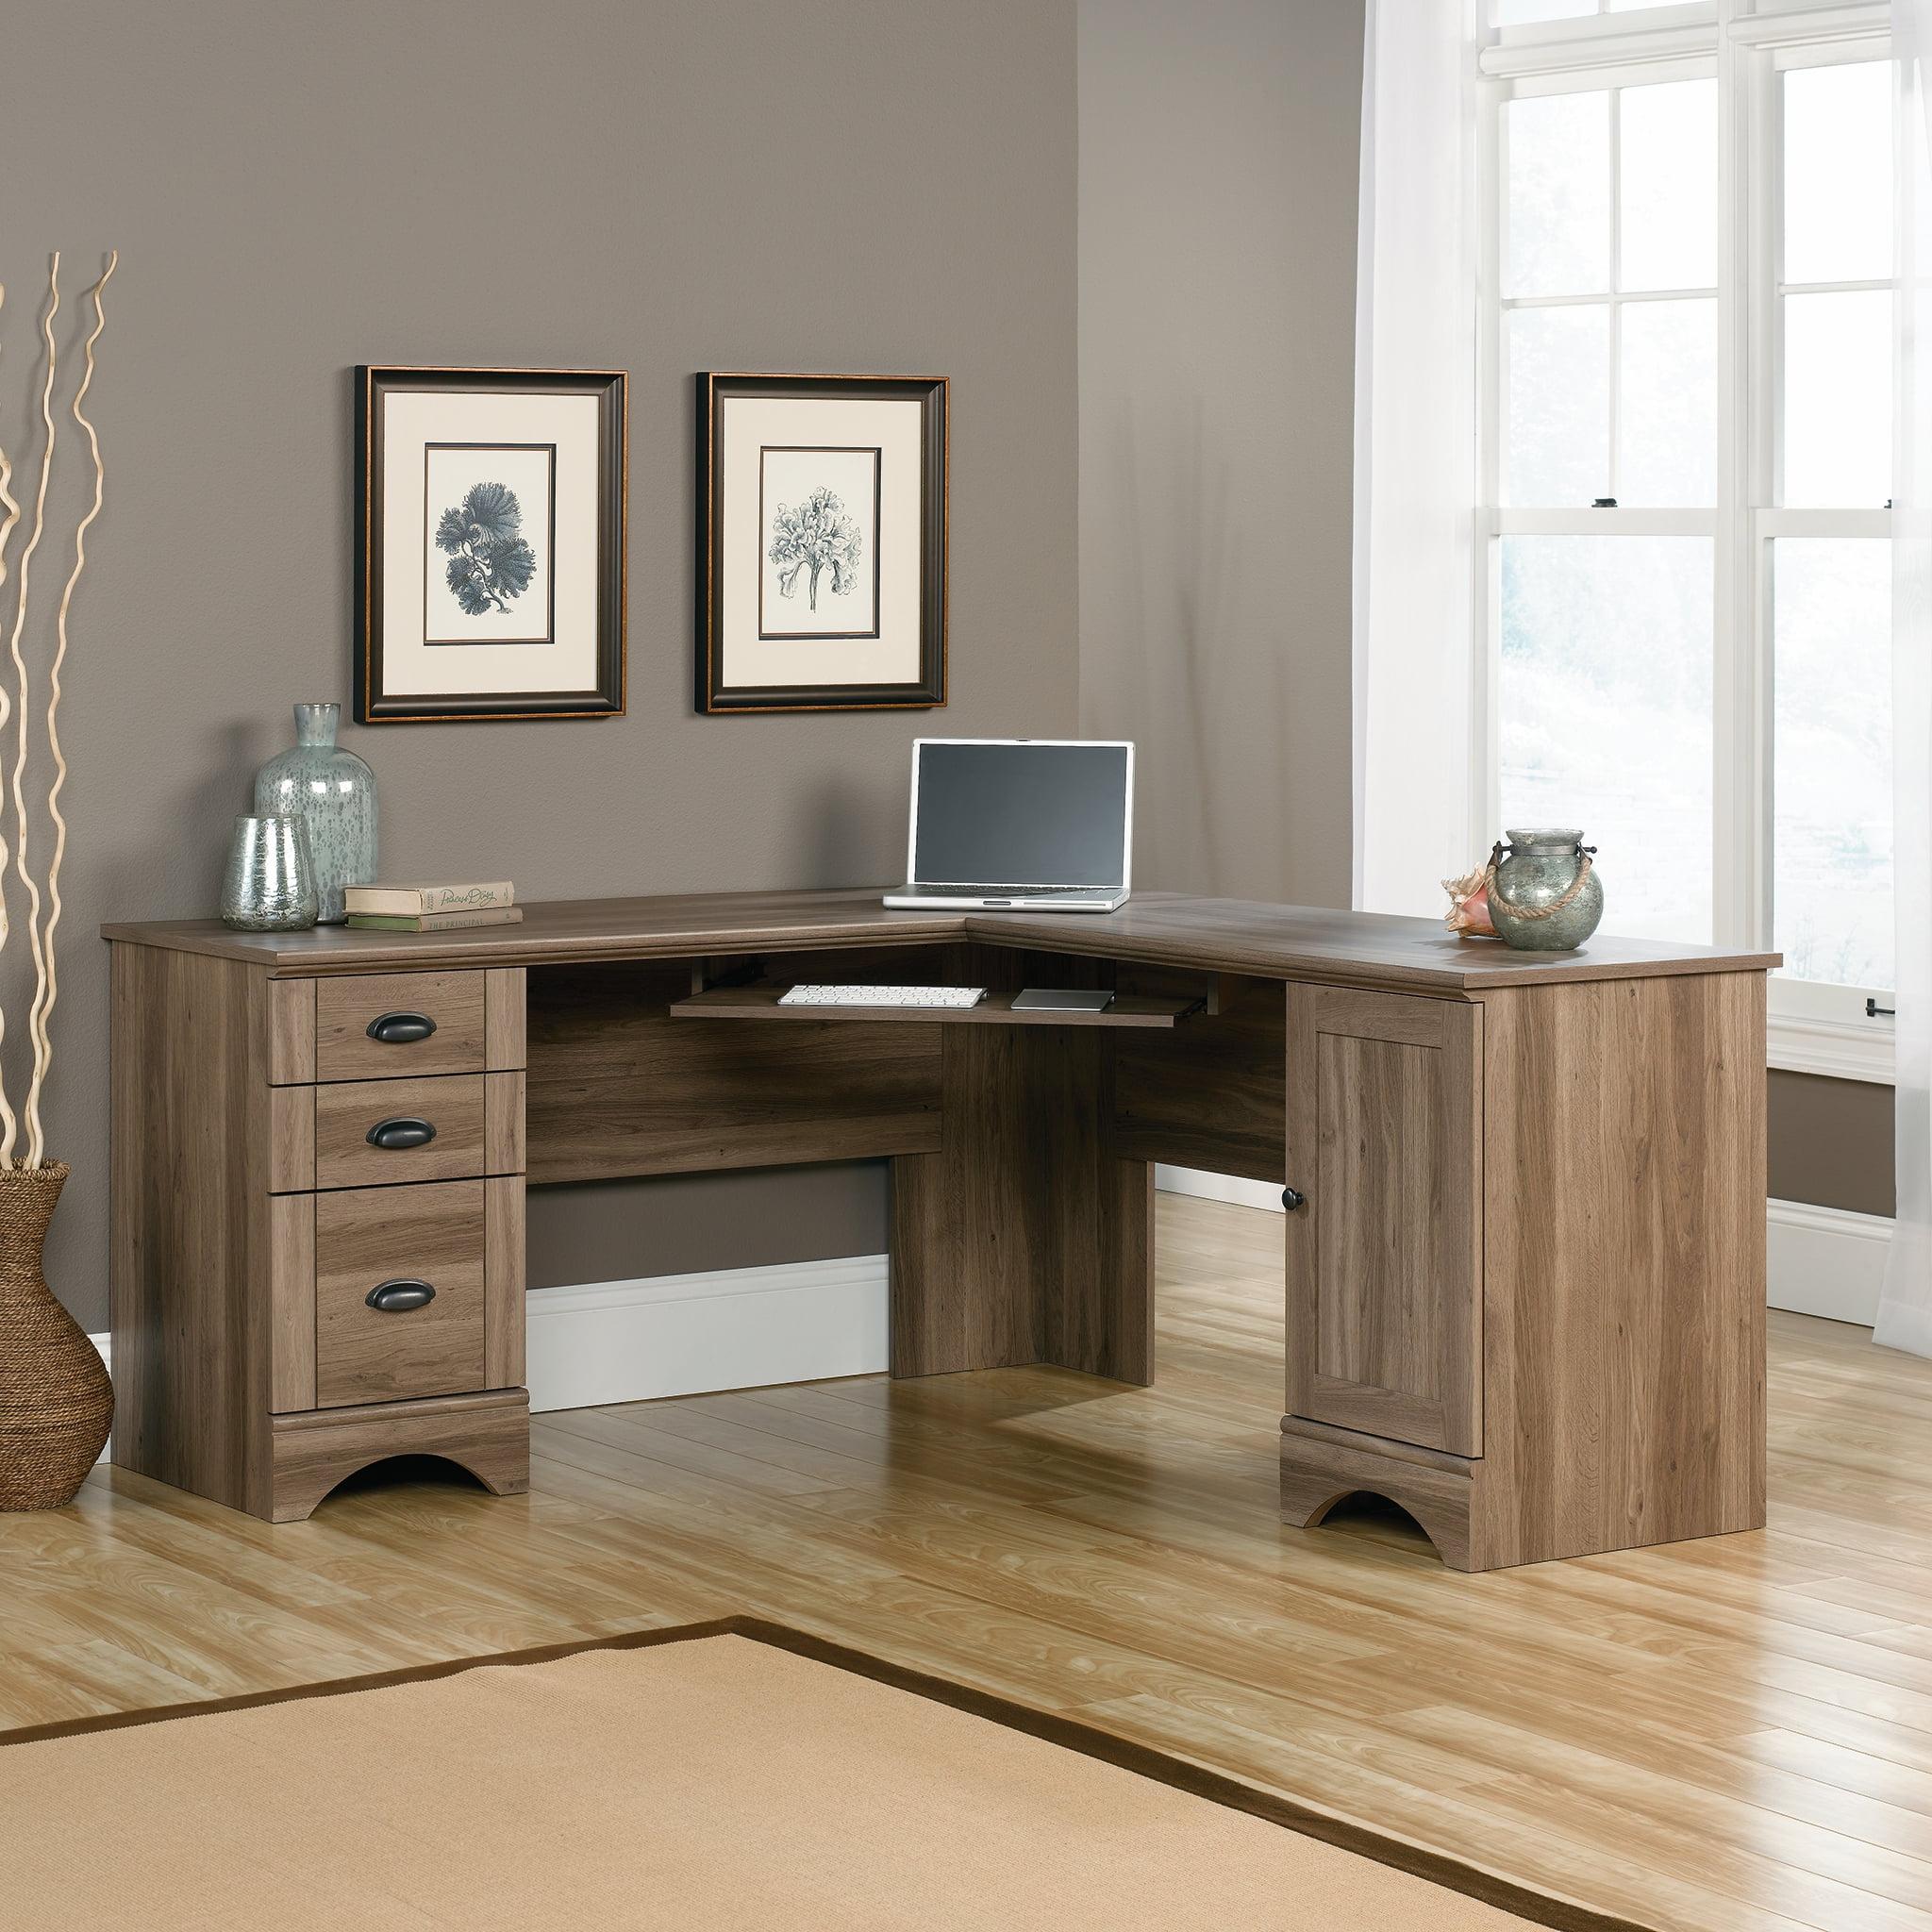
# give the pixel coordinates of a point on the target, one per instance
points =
(450, 1126)
(381, 1026)
(406, 1239)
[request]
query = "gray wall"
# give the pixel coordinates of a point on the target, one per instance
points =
(1219, 154)
(1831, 1142)
(603, 182)
(883, 185)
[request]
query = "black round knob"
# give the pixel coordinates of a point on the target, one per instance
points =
(1292, 1198)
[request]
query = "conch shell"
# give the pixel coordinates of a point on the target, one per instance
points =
(1468, 904)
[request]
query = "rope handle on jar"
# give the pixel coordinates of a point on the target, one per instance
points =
(1512, 908)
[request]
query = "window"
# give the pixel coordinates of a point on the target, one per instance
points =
(1827, 600)
(1688, 451)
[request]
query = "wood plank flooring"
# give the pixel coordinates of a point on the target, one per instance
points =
(1734, 1733)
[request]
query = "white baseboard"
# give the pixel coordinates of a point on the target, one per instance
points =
(812, 1320)
(1231, 1187)
(1825, 1261)
(684, 1334)
(105, 1343)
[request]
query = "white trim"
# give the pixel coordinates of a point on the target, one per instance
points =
(1838, 1050)
(105, 1343)
(1874, 524)
(1687, 33)
(1825, 1261)
(1683, 32)
(726, 1328)
(1234, 1188)
(1818, 1027)
(1791, 28)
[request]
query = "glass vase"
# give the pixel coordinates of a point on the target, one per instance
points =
(333, 792)
(270, 882)
(1544, 895)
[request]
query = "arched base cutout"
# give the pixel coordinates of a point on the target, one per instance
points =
(1368, 1510)
(391, 1472)
(1446, 1529)
(485, 1437)
(396, 1471)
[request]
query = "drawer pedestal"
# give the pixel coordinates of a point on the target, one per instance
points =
(343, 1279)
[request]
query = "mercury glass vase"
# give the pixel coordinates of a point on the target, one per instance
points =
(1545, 896)
(333, 792)
(269, 883)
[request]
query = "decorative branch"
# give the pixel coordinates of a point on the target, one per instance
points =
(7, 499)
(27, 557)
(48, 990)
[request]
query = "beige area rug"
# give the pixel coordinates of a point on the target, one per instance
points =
(723, 1777)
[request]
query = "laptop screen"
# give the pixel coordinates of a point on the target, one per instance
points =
(1021, 814)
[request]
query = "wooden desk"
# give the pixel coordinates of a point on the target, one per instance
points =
(1526, 1275)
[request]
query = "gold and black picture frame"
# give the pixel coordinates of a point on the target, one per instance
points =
(821, 542)
(489, 543)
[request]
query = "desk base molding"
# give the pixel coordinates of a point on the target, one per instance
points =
(488, 1434)
(1320, 1470)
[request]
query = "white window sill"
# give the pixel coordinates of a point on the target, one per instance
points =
(1838, 1050)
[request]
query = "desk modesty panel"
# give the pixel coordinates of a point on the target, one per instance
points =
(1524, 1252)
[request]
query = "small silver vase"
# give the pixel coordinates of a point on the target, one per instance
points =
(269, 883)
(1545, 896)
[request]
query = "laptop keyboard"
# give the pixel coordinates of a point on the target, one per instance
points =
(1006, 892)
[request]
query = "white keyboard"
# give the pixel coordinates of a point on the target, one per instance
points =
(882, 996)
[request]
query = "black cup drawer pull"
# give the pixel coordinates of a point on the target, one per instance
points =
(400, 1029)
(399, 1296)
(401, 1131)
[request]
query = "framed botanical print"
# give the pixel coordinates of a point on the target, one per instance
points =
(489, 543)
(821, 542)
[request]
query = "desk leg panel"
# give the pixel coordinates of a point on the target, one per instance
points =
(1625, 1305)
(1024, 1238)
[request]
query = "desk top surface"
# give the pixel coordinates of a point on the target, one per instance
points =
(1153, 928)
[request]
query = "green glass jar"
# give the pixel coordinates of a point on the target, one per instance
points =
(1545, 895)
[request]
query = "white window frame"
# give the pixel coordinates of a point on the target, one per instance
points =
(1814, 1028)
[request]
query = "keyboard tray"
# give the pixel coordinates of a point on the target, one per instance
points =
(996, 1010)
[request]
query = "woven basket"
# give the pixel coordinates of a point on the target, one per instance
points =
(55, 1402)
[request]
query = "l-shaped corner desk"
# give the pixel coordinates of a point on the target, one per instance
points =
(1526, 1192)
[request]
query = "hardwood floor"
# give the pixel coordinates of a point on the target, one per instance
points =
(1721, 1734)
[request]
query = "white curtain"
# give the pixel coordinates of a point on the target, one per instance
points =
(1415, 477)
(1904, 1314)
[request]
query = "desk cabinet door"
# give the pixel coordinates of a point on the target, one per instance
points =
(1384, 1252)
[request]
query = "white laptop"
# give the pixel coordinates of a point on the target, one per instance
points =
(1043, 824)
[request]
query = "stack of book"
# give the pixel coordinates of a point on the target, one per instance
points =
(431, 907)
